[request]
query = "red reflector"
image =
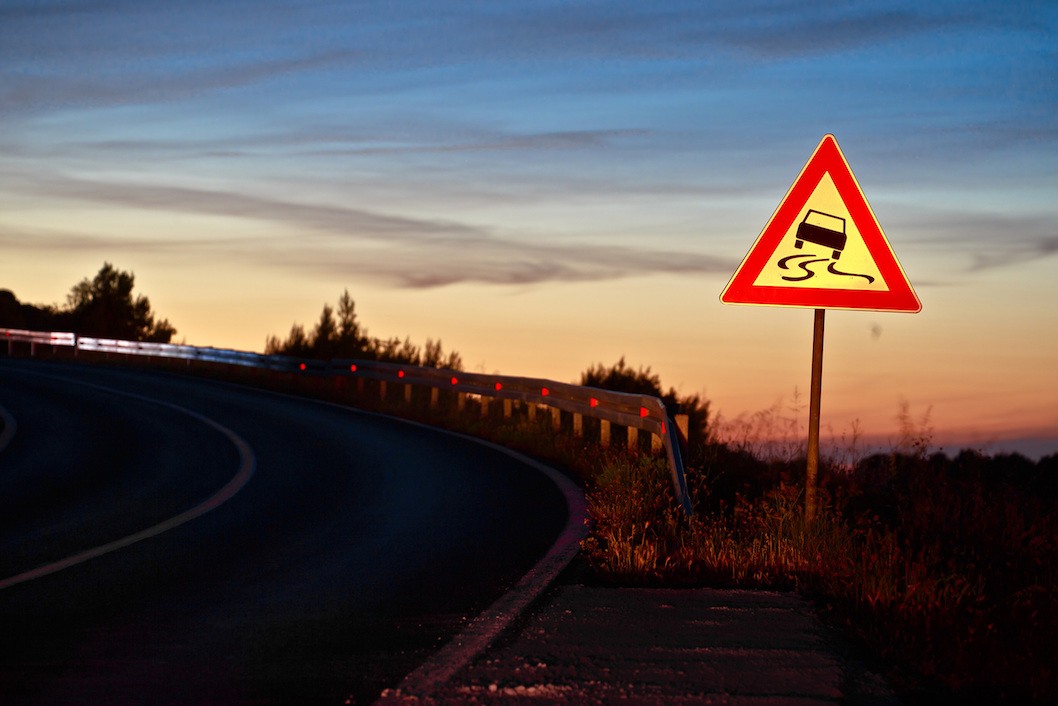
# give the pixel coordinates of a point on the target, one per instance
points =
(400, 373)
(663, 427)
(644, 412)
(499, 386)
(594, 402)
(302, 366)
(352, 368)
(543, 391)
(455, 381)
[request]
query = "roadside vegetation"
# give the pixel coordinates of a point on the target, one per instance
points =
(945, 569)
(339, 334)
(103, 307)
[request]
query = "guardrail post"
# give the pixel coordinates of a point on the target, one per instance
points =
(382, 389)
(434, 392)
(578, 424)
(683, 423)
(556, 418)
(32, 349)
(359, 386)
(604, 432)
(633, 438)
(655, 443)
(484, 406)
(531, 412)
(507, 409)
(407, 392)
(461, 401)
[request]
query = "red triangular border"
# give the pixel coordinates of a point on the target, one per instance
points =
(826, 158)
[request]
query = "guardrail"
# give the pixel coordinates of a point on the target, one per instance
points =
(636, 412)
(51, 338)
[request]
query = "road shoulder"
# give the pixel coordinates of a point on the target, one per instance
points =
(591, 644)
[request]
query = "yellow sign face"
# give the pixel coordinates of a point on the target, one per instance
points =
(822, 249)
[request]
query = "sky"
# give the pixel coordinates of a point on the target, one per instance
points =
(549, 185)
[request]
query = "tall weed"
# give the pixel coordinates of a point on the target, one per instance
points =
(943, 567)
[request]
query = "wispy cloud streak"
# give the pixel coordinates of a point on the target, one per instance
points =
(397, 250)
(38, 93)
(548, 141)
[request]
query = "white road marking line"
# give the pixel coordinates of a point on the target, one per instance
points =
(246, 469)
(486, 627)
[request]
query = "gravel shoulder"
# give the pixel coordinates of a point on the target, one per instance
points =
(584, 644)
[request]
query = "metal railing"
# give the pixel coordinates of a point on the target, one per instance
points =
(636, 412)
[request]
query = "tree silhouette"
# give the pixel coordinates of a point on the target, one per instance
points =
(620, 377)
(342, 336)
(104, 307)
(15, 314)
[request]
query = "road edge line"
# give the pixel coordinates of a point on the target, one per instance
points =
(247, 465)
(488, 625)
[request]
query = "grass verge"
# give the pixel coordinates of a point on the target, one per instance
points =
(945, 568)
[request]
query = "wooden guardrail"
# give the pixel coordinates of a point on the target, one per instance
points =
(635, 412)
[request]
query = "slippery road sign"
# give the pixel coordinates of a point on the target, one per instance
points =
(823, 248)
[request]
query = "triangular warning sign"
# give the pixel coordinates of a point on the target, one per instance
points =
(823, 248)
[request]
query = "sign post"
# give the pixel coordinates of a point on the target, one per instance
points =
(822, 249)
(812, 470)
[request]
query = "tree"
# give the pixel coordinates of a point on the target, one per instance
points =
(351, 340)
(433, 356)
(622, 378)
(105, 308)
(342, 336)
(325, 335)
(296, 344)
(16, 314)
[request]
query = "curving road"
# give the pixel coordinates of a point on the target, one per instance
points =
(316, 563)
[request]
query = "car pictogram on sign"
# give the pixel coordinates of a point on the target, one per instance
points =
(824, 229)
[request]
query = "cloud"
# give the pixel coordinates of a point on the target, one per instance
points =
(1000, 134)
(1016, 252)
(35, 92)
(65, 10)
(556, 140)
(357, 223)
(811, 32)
(510, 262)
(768, 29)
(981, 239)
(338, 241)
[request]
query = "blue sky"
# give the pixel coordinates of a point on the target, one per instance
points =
(505, 174)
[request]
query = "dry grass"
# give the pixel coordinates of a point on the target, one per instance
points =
(950, 577)
(945, 568)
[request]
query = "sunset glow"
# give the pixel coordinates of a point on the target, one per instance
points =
(545, 186)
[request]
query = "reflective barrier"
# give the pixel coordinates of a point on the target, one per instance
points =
(636, 412)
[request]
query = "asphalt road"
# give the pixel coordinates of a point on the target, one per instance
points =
(356, 548)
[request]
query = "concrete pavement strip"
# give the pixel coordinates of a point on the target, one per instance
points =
(598, 645)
